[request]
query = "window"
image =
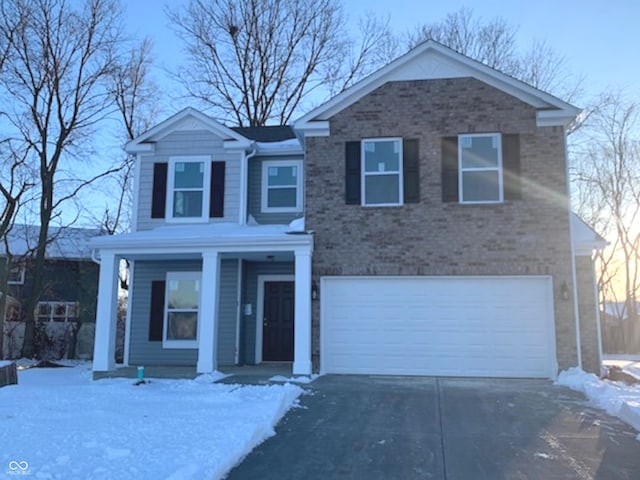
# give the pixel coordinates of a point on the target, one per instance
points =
(181, 310)
(63, 312)
(188, 193)
(282, 186)
(382, 172)
(16, 274)
(480, 164)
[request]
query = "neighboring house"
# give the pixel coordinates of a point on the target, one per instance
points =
(416, 223)
(619, 334)
(70, 285)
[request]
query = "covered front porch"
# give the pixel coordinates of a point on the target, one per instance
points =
(230, 269)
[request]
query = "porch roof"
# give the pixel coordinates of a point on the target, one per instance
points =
(224, 237)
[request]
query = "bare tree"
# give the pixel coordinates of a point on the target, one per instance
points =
(135, 95)
(255, 61)
(606, 175)
(54, 79)
(493, 42)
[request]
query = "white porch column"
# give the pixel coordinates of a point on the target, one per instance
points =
(106, 318)
(302, 328)
(208, 316)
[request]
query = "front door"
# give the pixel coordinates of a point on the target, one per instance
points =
(277, 322)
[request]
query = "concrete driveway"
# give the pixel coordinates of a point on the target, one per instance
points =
(361, 427)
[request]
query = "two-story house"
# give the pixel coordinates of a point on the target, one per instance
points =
(416, 223)
(67, 301)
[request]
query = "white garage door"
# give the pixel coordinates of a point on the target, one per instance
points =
(449, 326)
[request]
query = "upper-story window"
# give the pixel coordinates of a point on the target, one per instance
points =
(282, 186)
(188, 192)
(16, 273)
(480, 164)
(382, 172)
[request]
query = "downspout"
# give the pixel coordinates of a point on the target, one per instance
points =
(576, 313)
(244, 189)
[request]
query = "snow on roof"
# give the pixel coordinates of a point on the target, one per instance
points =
(204, 234)
(291, 145)
(617, 309)
(68, 243)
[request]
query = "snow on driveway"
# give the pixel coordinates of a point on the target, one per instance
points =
(59, 424)
(617, 398)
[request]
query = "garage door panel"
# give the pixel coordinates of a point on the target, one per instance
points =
(477, 326)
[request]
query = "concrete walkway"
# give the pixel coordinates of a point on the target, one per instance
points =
(358, 427)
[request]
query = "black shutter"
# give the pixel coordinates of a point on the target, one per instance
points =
(352, 173)
(159, 197)
(511, 167)
(411, 171)
(450, 169)
(156, 315)
(216, 195)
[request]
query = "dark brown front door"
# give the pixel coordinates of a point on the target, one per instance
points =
(277, 322)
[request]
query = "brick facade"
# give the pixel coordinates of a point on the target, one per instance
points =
(520, 237)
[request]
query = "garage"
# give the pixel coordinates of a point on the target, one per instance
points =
(445, 326)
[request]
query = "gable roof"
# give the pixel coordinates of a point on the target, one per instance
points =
(585, 239)
(146, 141)
(432, 60)
(69, 243)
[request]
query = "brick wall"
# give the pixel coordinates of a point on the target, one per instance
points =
(587, 308)
(524, 237)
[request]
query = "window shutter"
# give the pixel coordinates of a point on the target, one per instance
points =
(450, 169)
(159, 196)
(411, 171)
(352, 173)
(156, 315)
(216, 195)
(511, 167)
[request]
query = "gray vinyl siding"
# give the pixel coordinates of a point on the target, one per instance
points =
(251, 271)
(197, 142)
(255, 194)
(144, 352)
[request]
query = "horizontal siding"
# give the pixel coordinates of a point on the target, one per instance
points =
(200, 142)
(251, 271)
(255, 195)
(144, 352)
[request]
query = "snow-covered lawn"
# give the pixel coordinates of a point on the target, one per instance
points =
(617, 398)
(59, 424)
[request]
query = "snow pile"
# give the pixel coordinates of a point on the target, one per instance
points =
(618, 399)
(64, 425)
(302, 379)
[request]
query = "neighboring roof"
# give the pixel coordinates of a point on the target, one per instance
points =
(432, 60)
(585, 239)
(267, 134)
(188, 118)
(69, 243)
(617, 310)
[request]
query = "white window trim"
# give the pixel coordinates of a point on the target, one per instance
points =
(365, 174)
(20, 281)
(499, 169)
(206, 187)
(173, 344)
(67, 317)
(266, 164)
